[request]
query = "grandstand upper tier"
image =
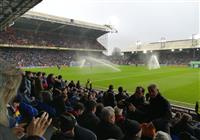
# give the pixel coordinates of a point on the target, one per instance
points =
(10, 10)
(165, 45)
(38, 30)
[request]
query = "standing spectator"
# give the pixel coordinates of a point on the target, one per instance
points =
(109, 97)
(138, 99)
(120, 96)
(25, 90)
(158, 108)
(50, 81)
(38, 85)
(78, 85)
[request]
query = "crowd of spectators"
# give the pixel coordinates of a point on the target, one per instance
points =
(15, 36)
(36, 57)
(183, 57)
(80, 112)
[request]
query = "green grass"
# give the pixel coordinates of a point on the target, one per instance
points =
(181, 85)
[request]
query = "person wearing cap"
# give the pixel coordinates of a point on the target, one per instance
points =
(133, 130)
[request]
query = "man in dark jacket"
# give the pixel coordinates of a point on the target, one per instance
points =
(120, 96)
(69, 130)
(107, 129)
(88, 119)
(158, 108)
(137, 99)
(109, 97)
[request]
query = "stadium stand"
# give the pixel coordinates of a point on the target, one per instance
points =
(175, 52)
(165, 57)
(27, 41)
(37, 29)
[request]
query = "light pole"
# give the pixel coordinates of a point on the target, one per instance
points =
(193, 45)
(138, 44)
(162, 42)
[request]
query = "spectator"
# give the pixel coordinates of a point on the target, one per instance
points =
(107, 128)
(78, 110)
(138, 99)
(133, 130)
(38, 85)
(109, 97)
(89, 119)
(120, 96)
(9, 83)
(67, 126)
(99, 109)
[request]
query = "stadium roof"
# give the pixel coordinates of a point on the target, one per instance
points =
(58, 25)
(10, 10)
(167, 45)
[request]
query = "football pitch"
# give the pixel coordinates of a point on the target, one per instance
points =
(180, 85)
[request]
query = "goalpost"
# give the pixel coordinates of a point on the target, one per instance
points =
(194, 64)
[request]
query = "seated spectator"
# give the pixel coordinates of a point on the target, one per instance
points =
(107, 128)
(67, 126)
(184, 125)
(99, 109)
(92, 95)
(133, 130)
(89, 119)
(119, 117)
(10, 78)
(176, 118)
(69, 130)
(78, 110)
(148, 131)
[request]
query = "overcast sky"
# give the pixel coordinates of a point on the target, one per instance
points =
(144, 20)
